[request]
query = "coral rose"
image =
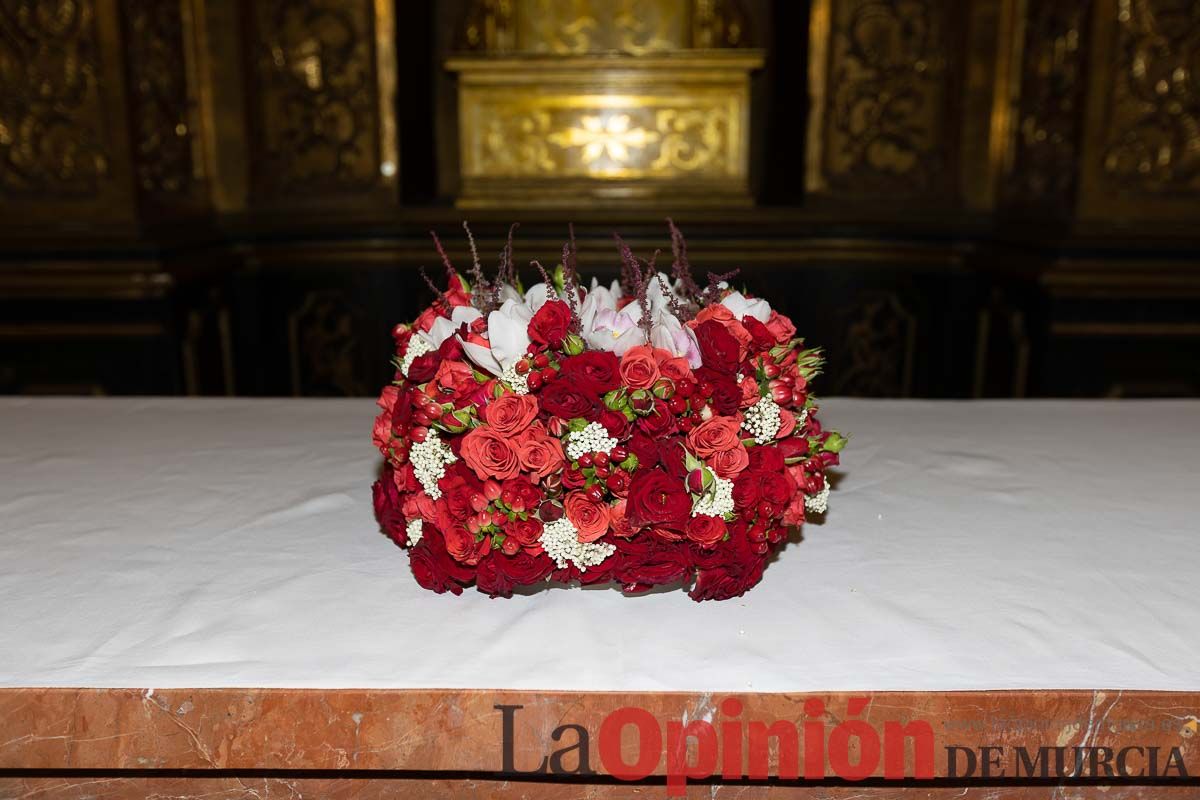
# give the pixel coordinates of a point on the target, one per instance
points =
(674, 367)
(539, 453)
(490, 454)
(589, 516)
(714, 436)
(781, 326)
(729, 464)
(617, 521)
(511, 413)
(639, 369)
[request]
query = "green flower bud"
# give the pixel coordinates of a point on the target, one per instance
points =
(834, 443)
(572, 344)
(616, 400)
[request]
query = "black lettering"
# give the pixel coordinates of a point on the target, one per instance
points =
(990, 757)
(952, 752)
(1123, 765)
(1037, 768)
(1175, 761)
(507, 745)
(1101, 761)
(582, 767)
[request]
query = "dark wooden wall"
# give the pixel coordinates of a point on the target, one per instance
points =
(957, 199)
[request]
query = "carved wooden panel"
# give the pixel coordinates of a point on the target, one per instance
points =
(1142, 148)
(591, 26)
(579, 27)
(167, 156)
(878, 348)
(54, 144)
(533, 131)
(882, 79)
(1053, 83)
(322, 111)
(1153, 143)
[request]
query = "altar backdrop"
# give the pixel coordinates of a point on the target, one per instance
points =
(993, 198)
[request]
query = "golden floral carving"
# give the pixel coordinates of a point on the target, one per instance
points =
(651, 137)
(1154, 140)
(602, 136)
(52, 137)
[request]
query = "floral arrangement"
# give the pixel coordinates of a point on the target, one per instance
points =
(646, 433)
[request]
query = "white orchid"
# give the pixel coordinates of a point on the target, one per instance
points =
(742, 307)
(615, 330)
(443, 328)
(669, 334)
(508, 329)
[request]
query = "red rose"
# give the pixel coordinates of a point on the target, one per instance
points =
(645, 448)
(656, 498)
(551, 323)
(599, 574)
(456, 377)
(777, 487)
(615, 423)
(706, 531)
(510, 414)
(433, 567)
(594, 371)
(766, 458)
(793, 446)
(747, 490)
(424, 367)
(672, 455)
(387, 507)
(727, 394)
(490, 454)
(643, 562)
(659, 422)
(760, 334)
(499, 574)
(729, 570)
(566, 399)
(719, 349)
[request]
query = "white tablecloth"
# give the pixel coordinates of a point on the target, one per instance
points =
(207, 543)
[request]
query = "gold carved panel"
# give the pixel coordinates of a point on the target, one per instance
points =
(167, 141)
(54, 141)
(582, 27)
(323, 89)
(534, 129)
(594, 26)
(880, 86)
(1146, 154)
(1053, 72)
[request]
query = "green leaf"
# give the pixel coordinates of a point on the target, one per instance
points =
(835, 442)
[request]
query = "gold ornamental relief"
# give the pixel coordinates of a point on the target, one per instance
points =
(1153, 142)
(572, 27)
(595, 137)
